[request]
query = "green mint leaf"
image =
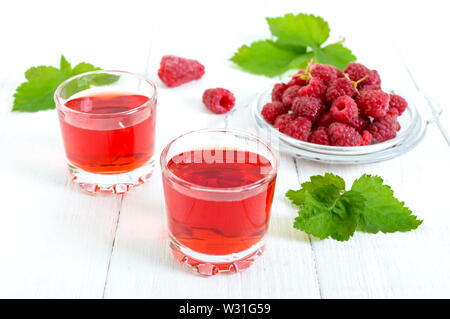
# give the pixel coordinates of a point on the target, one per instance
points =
(264, 58)
(327, 213)
(316, 181)
(303, 29)
(36, 93)
(383, 211)
(335, 54)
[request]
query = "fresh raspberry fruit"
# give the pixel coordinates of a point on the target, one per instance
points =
(370, 87)
(315, 88)
(344, 109)
(308, 106)
(319, 136)
(299, 128)
(366, 138)
(282, 121)
(360, 123)
(218, 100)
(289, 95)
(326, 73)
(373, 79)
(175, 71)
(357, 71)
(397, 105)
(277, 92)
(298, 79)
(373, 103)
(340, 87)
(343, 135)
(325, 120)
(271, 111)
(385, 128)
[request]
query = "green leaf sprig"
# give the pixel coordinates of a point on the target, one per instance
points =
(328, 210)
(36, 93)
(298, 39)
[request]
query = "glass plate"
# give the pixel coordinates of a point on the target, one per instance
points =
(413, 128)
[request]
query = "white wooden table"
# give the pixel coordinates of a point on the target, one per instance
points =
(56, 241)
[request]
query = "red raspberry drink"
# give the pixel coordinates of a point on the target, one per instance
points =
(218, 203)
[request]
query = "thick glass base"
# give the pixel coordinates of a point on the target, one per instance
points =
(116, 184)
(210, 265)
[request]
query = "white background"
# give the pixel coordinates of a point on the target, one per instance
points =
(56, 241)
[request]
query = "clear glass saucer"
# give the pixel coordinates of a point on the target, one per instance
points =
(413, 128)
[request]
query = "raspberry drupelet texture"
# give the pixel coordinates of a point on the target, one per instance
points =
(326, 73)
(271, 111)
(397, 105)
(289, 95)
(298, 79)
(341, 134)
(340, 87)
(308, 106)
(366, 138)
(282, 121)
(344, 109)
(315, 88)
(319, 136)
(373, 103)
(385, 128)
(277, 92)
(357, 71)
(218, 100)
(174, 71)
(325, 120)
(299, 128)
(360, 123)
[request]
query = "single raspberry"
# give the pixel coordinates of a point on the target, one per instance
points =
(282, 121)
(343, 135)
(397, 105)
(366, 138)
(357, 72)
(299, 128)
(373, 79)
(298, 79)
(324, 120)
(344, 109)
(360, 123)
(218, 100)
(175, 71)
(315, 88)
(373, 103)
(326, 73)
(277, 91)
(385, 128)
(289, 95)
(319, 136)
(271, 111)
(340, 87)
(308, 106)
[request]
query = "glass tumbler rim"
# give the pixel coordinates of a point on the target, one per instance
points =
(249, 187)
(61, 105)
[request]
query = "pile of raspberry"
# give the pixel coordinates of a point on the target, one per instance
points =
(324, 105)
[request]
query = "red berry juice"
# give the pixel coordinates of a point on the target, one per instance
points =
(109, 142)
(222, 221)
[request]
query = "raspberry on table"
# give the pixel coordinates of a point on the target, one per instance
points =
(397, 105)
(360, 123)
(289, 95)
(366, 138)
(340, 87)
(326, 73)
(341, 134)
(174, 71)
(315, 88)
(299, 128)
(277, 92)
(282, 121)
(271, 111)
(373, 103)
(218, 100)
(344, 109)
(385, 128)
(319, 136)
(308, 106)
(325, 120)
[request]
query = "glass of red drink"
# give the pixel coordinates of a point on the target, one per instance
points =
(107, 122)
(218, 187)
